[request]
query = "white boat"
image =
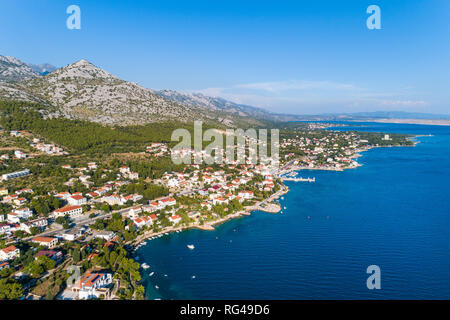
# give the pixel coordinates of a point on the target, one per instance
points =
(145, 266)
(191, 246)
(193, 277)
(284, 208)
(156, 287)
(151, 273)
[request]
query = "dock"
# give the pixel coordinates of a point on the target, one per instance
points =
(299, 179)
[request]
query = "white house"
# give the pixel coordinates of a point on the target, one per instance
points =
(175, 219)
(77, 200)
(48, 242)
(73, 234)
(19, 154)
(133, 175)
(71, 211)
(93, 285)
(9, 253)
(167, 202)
(106, 235)
(246, 195)
(220, 201)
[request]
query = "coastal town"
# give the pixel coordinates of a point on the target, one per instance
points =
(70, 223)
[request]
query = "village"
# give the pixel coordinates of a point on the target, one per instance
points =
(104, 211)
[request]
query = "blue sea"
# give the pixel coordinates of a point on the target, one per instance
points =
(393, 212)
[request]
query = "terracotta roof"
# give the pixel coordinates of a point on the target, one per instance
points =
(67, 209)
(9, 249)
(43, 239)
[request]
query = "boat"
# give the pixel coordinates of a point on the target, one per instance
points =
(193, 277)
(152, 273)
(156, 287)
(145, 266)
(284, 208)
(191, 246)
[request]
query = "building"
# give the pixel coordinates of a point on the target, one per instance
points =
(222, 201)
(133, 175)
(20, 201)
(77, 200)
(72, 234)
(48, 242)
(36, 223)
(106, 235)
(3, 192)
(54, 255)
(175, 219)
(167, 202)
(19, 154)
(9, 253)
(93, 285)
(247, 195)
(17, 174)
(71, 211)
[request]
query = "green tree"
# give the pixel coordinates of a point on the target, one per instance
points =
(10, 289)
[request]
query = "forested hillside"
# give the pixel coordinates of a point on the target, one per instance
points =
(83, 136)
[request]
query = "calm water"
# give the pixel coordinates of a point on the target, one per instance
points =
(393, 212)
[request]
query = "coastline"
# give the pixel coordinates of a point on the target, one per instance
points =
(209, 226)
(429, 122)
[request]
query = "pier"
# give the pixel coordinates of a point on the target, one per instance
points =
(299, 179)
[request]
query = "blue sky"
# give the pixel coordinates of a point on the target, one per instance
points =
(303, 57)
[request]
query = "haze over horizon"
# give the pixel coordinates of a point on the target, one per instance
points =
(297, 58)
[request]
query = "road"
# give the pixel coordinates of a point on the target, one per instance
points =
(84, 220)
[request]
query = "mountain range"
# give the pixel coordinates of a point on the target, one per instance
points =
(84, 91)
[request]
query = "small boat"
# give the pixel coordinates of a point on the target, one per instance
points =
(193, 277)
(282, 198)
(144, 243)
(145, 266)
(284, 208)
(156, 287)
(165, 275)
(191, 246)
(151, 273)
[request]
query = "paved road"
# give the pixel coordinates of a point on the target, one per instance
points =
(79, 222)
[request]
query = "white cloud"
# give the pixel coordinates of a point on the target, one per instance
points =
(305, 96)
(299, 85)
